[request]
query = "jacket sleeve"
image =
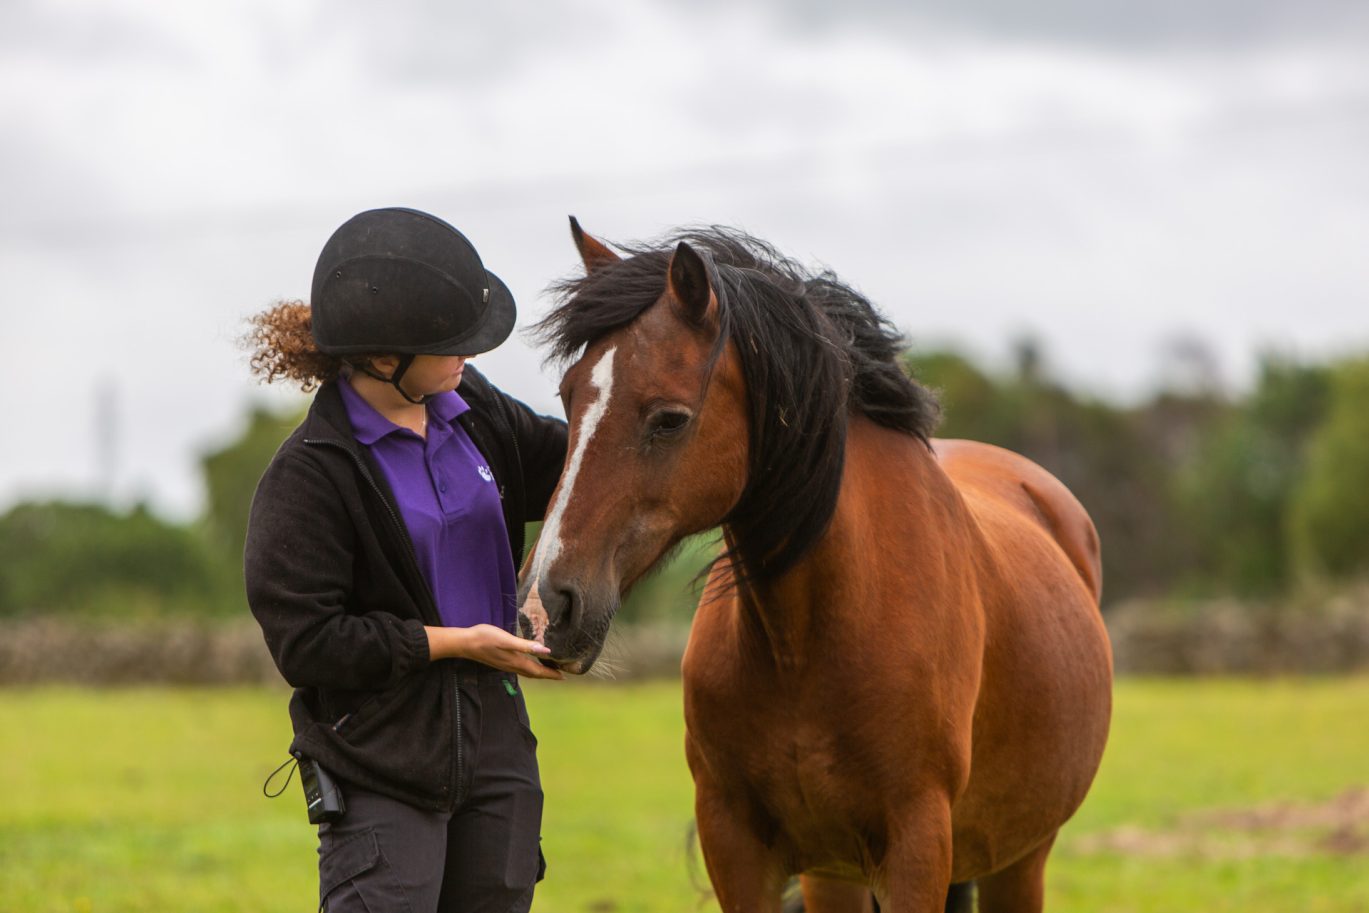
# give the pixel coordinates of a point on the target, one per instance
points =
(542, 449)
(298, 572)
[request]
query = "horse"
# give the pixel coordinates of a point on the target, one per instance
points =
(897, 680)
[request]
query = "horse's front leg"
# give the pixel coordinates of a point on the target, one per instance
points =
(1020, 888)
(747, 876)
(915, 874)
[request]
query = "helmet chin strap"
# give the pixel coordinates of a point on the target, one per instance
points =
(393, 380)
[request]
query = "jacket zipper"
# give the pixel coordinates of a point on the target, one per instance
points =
(518, 467)
(517, 455)
(428, 604)
(460, 767)
(518, 458)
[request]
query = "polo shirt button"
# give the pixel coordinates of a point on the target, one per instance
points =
(442, 487)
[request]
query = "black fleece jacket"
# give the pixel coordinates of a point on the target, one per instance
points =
(332, 579)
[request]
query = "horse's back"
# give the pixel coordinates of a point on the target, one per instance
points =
(1004, 480)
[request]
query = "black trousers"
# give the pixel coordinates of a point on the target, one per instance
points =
(385, 856)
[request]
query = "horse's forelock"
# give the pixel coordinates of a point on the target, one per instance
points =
(594, 305)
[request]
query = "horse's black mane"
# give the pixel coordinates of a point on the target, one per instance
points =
(812, 349)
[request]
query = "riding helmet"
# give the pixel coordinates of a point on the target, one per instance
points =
(399, 281)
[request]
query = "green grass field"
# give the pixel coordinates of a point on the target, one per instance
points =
(150, 800)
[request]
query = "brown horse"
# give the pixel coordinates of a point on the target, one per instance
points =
(898, 679)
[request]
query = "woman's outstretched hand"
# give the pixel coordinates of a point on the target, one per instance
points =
(491, 646)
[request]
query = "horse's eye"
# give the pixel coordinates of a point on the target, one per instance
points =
(664, 424)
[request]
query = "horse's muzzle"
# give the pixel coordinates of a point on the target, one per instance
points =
(557, 622)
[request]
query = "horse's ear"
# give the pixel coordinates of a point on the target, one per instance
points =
(593, 252)
(688, 282)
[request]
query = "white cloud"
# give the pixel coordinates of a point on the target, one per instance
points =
(170, 168)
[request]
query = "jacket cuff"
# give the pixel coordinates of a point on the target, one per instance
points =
(414, 655)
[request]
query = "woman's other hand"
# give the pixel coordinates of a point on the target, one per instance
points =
(491, 646)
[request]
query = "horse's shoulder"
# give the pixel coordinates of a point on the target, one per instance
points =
(986, 473)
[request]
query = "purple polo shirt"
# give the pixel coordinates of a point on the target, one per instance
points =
(449, 501)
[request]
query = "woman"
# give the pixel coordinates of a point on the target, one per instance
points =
(380, 562)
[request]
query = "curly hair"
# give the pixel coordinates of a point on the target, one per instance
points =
(283, 347)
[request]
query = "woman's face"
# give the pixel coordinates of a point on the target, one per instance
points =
(431, 374)
(428, 374)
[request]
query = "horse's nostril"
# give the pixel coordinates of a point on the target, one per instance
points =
(577, 607)
(570, 607)
(564, 607)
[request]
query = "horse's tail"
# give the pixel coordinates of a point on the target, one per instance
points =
(959, 899)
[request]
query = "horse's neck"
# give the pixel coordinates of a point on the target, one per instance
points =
(840, 588)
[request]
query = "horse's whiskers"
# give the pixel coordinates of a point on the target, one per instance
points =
(604, 668)
(611, 660)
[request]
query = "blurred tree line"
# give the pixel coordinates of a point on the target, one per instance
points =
(87, 559)
(1194, 492)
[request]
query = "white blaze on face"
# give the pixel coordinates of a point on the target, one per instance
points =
(536, 615)
(549, 543)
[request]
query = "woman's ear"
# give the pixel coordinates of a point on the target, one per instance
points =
(384, 365)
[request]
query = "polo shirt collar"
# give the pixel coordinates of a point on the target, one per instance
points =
(369, 426)
(447, 406)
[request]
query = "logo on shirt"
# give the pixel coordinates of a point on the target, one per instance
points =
(485, 473)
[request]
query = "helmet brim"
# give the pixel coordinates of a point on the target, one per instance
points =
(492, 330)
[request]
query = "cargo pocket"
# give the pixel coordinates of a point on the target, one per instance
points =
(355, 877)
(524, 723)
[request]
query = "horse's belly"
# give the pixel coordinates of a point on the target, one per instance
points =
(1040, 728)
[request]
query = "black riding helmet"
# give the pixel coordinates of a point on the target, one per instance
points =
(401, 281)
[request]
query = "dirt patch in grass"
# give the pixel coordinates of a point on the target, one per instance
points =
(1336, 827)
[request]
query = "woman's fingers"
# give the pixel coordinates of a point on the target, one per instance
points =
(498, 648)
(524, 664)
(508, 641)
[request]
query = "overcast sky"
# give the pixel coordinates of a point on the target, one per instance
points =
(1106, 177)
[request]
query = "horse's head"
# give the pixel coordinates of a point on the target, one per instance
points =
(658, 440)
(713, 383)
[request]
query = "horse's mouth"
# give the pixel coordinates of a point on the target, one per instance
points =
(575, 665)
(565, 667)
(572, 667)
(573, 651)
(572, 661)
